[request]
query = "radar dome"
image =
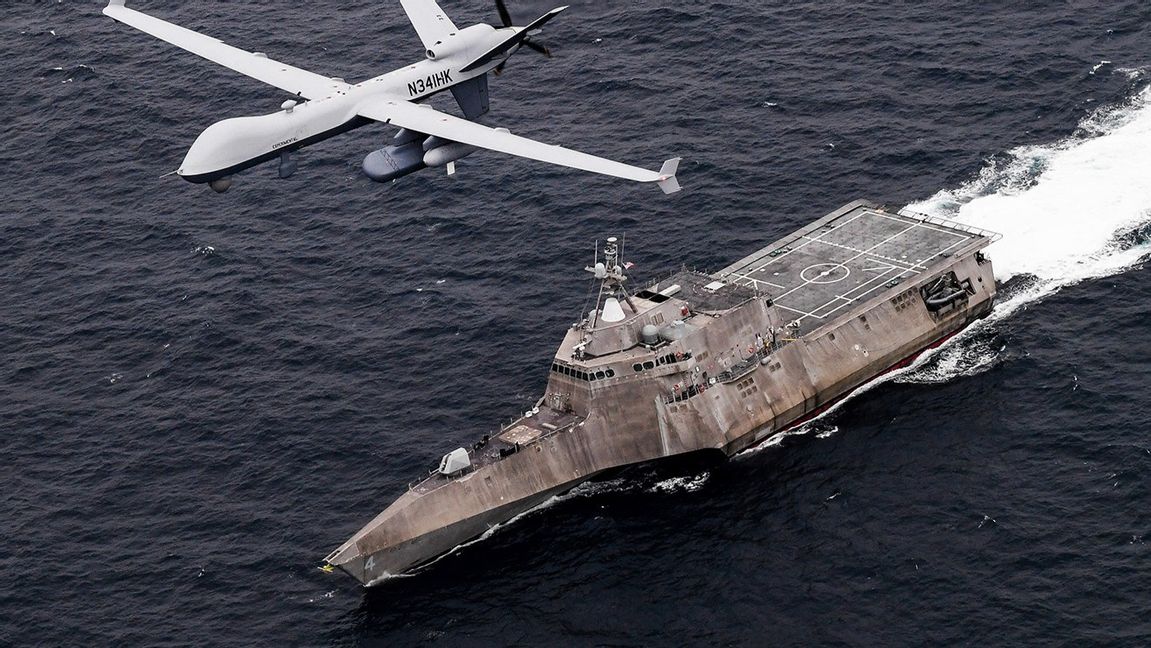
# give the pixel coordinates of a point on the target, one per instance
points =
(674, 331)
(650, 334)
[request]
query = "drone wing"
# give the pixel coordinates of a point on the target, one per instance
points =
(254, 64)
(431, 23)
(424, 119)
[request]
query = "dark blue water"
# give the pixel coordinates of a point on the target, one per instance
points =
(202, 395)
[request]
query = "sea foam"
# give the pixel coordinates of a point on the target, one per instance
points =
(1064, 209)
(1069, 211)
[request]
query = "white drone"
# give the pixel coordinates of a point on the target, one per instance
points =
(456, 60)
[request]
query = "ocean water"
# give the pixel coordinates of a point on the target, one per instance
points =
(202, 395)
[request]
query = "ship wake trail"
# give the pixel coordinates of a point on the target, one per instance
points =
(1068, 211)
(1071, 211)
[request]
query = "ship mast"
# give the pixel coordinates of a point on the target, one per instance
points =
(611, 289)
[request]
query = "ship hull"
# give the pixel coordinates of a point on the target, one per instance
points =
(378, 566)
(762, 346)
(884, 367)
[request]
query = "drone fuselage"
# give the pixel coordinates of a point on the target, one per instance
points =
(233, 145)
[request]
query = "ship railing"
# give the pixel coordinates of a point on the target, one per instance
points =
(936, 220)
(680, 395)
(748, 364)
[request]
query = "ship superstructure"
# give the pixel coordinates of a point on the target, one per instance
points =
(698, 362)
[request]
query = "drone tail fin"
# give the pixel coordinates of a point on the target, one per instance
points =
(667, 180)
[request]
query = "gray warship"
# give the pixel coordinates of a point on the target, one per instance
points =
(699, 362)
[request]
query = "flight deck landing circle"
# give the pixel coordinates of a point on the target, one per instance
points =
(825, 273)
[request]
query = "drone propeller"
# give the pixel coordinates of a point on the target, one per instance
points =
(505, 17)
(506, 21)
(537, 47)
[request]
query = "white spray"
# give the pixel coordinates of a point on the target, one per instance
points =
(1063, 209)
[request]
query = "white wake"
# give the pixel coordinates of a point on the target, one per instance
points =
(1075, 210)
(1066, 209)
(1070, 211)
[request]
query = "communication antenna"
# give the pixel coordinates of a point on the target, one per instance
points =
(611, 289)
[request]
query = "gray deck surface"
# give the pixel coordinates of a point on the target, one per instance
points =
(821, 272)
(526, 430)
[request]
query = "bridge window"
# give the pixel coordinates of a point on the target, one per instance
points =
(600, 374)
